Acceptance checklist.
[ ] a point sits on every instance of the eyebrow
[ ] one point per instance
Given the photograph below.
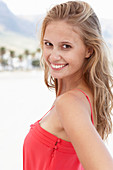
(62, 42)
(67, 42)
(45, 40)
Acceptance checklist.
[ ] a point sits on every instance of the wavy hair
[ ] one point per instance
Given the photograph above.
(96, 70)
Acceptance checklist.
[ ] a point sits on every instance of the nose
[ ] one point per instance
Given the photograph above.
(54, 55)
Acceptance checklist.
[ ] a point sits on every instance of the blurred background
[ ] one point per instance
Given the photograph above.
(24, 98)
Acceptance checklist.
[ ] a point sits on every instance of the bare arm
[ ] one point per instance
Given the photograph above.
(75, 118)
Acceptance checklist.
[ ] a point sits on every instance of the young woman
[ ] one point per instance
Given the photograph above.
(70, 136)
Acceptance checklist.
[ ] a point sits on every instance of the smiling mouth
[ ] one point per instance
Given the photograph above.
(59, 66)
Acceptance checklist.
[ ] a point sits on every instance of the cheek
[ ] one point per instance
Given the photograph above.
(77, 60)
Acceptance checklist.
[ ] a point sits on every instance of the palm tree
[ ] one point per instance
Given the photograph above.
(35, 61)
(38, 50)
(2, 52)
(20, 57)
(12, 53)
(12, 56)
(26, 53)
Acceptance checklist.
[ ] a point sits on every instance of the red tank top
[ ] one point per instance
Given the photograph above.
(44, 151)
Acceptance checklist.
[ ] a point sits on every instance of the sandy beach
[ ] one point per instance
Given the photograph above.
(24, 98)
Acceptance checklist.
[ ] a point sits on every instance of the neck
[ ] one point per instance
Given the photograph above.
(67, 85)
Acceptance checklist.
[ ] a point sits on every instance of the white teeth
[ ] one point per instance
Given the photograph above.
(57, 66)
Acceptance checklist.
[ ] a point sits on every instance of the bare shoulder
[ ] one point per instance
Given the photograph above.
(74, 113)
(73, 103)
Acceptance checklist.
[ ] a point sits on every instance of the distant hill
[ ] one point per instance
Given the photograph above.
(21, 32)
(11, 22)
(18, 33)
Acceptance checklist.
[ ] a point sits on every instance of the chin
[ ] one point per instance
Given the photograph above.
(57, 76)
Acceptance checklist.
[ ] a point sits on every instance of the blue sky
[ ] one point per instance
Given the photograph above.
(103, 8)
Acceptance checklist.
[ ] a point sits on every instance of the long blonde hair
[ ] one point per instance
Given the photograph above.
(96, 70)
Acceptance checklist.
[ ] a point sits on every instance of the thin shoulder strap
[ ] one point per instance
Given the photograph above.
(47, 113)
(89, 104)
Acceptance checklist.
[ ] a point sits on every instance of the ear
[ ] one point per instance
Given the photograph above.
(89, 52)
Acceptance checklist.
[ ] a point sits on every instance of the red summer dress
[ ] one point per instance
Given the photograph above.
(44, 151)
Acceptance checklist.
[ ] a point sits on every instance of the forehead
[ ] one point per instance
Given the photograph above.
(62, 30)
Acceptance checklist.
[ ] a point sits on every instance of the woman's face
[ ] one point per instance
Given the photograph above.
(63, 50)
